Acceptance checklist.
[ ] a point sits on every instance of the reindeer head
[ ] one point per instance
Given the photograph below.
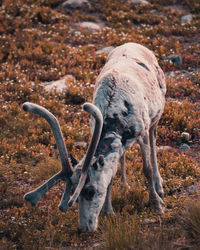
(90, 177)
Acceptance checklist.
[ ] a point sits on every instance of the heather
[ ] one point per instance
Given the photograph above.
(41, 42)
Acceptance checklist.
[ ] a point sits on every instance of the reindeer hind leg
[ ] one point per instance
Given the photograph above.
(157, 178)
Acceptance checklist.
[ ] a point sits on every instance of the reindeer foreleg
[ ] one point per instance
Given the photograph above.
(108, 209)
(155, 200)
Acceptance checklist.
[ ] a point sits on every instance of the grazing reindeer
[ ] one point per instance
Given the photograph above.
(128, 101)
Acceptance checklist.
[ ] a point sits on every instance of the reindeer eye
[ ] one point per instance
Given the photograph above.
(95, 166)
(88, 193)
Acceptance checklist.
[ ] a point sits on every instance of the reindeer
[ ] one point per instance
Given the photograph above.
(128, 101)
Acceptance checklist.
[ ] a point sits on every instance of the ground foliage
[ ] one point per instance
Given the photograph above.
(39, 42)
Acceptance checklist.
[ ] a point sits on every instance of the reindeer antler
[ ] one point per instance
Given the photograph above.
(66, 172)
(96, 113)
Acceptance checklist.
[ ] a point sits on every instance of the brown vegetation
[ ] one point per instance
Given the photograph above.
(40, 43)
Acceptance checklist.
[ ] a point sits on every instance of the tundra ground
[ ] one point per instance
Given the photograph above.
(40, 42)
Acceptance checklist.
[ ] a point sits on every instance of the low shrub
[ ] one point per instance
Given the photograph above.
(182, 116)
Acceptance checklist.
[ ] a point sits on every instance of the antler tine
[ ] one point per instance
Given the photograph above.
(65, 198)
(66, 171)
(51, 119)
(95, 112)
(34, 196)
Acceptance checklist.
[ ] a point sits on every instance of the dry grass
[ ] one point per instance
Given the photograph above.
(120, 231)
(191, 220)
(39, 43)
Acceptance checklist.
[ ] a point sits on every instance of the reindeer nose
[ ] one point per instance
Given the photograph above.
(83, 229)
(90, 227)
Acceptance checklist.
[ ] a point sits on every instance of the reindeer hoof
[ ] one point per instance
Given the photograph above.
(157, 204)
(159, 209)
(161, 206)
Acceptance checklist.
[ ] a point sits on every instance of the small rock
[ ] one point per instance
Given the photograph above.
(185, 137)
(176, 9)
(172, 73)
(75, 4)
(74, 32)
(184, 146)
(164, 148)
(105, 50)
(148, 221)
(191, 189)
(187, 18)
(175, 59)
(81, 144)
(138, 2)
(59, 85)
(93, 27)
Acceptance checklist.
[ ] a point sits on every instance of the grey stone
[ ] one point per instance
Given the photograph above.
(187, 18)
(149, 221)
(172, 73)
(105, 50)
(75, 4)
(93, 27)
(59, 85)
(175, 59)
(184, 146)
(164, 148)
(74, 32)
(138, 2)
(185, 136)
(81, 144)
(191, 189)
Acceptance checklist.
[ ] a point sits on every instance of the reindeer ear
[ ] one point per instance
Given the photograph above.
(73, 160)
(101, 160)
